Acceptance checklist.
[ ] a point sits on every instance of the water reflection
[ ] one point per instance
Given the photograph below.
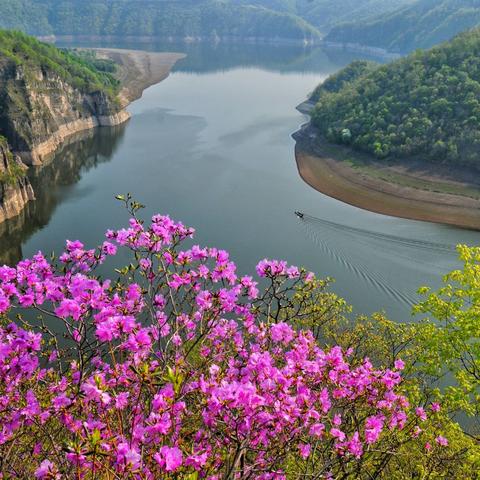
(53, 184)
(213, 148)
(211, 58)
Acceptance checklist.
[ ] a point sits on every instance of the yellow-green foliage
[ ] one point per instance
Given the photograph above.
(14, 171)
(445, 343)
(451, 339)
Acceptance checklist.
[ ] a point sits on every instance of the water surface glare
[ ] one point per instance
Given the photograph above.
(212, 146)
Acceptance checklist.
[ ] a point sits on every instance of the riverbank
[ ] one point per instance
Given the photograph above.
(138, 70)
(208, 40)
(380, 53)
(413, 190)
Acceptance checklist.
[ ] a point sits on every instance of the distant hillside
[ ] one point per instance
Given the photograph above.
(426, 105)
(325, 14)
(421, 25)
(160, 18)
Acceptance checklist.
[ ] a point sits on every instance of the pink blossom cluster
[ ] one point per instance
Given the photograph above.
(180, 367)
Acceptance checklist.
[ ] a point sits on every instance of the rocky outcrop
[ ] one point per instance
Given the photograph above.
(40, 110)
(75, 157)
(15, 188)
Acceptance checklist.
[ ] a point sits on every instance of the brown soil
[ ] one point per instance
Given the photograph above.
(368, 187)
(139, 69)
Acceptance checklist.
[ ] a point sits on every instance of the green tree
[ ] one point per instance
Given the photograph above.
(451, 339)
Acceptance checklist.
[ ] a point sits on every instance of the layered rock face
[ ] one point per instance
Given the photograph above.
(15, 188)
(40, 110)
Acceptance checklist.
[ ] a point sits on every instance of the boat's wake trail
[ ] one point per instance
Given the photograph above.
(441, 247)
(325, 234)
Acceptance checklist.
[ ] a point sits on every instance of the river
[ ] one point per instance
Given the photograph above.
(212, 146)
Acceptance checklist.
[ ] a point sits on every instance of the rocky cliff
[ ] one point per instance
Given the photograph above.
(48, 95)
(15, 188)
(40, 109)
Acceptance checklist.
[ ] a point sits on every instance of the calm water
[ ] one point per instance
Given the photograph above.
(212, 146)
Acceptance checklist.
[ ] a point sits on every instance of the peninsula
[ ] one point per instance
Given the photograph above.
(400, 139)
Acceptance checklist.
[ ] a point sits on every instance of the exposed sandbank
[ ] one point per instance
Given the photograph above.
(415, 192)
(138, 69)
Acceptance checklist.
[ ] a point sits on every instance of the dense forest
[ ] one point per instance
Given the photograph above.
(185, 18)
(81, 70)
(423, 24)
(286, 19)
(425, 105)
(338, 80)
(323, 14)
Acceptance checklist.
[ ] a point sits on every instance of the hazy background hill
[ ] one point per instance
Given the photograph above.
(165, 18)
(420, 25)
(287, 19)
(324, 14)
(394, 25)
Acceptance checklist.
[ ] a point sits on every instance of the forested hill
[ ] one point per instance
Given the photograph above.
(162, 18)
(421, 25)
(82, 71)
(269, 19)
(344, 77)
(426, 105)
(323, 14)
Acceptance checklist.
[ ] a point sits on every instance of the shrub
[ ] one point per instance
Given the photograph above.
(180, 368)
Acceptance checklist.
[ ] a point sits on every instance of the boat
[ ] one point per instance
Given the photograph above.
(299, 214)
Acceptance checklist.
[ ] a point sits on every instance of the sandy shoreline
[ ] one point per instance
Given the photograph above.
(139, 69)
(339, 179)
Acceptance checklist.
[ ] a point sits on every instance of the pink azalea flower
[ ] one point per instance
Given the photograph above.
(46, 470)
(373, 428)
(399, 364)
(420, 412)
(442, 441)
(305, 450)
(169, 458)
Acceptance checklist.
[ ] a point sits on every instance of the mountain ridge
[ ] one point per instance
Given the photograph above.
(423, 24)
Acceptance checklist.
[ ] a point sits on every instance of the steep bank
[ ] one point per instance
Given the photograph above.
(415, 191)
(48, 95)
(15, 188)
(69, 112)
(79, 154)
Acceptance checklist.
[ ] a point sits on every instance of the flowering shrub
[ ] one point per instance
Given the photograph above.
(182, 369)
